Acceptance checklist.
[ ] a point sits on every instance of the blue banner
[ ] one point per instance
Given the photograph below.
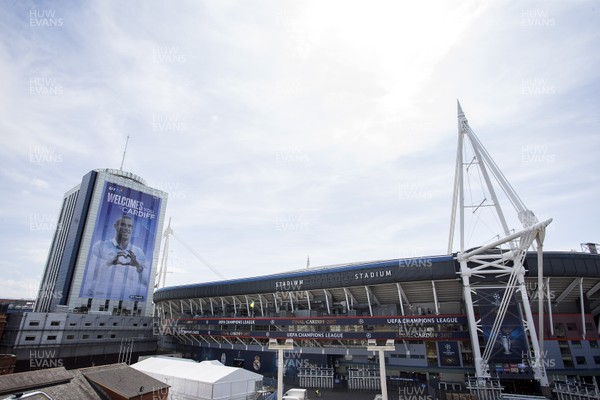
(511, 343)
(120, 259)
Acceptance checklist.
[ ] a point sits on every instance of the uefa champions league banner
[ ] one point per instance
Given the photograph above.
(511, 343)
(120, 259)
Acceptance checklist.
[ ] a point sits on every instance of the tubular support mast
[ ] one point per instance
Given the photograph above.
(486, 261)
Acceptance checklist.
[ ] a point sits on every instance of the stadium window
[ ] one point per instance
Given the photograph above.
(51, 337)
(70, 337)
(55, 323)
(29, 338)
(576, 344)
(580, 360)
(72, 323)
(85, 337)
(34, 323)
(88, 324)
(594, 344)
(115, 324)
(99, 337)
(113, 336)
(597, 360)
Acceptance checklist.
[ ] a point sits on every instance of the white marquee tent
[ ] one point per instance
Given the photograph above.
(204, 380)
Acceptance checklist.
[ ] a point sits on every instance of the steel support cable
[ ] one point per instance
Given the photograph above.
(205, 262)
(499, 176)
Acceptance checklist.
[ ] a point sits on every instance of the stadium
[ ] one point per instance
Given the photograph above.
(501, 317)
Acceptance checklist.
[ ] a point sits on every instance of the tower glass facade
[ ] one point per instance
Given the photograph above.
(104, 253)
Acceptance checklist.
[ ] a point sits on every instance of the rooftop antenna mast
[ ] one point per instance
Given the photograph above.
(124, 152)
(488, 261)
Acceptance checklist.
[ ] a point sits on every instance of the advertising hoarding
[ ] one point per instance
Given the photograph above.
(120, 260)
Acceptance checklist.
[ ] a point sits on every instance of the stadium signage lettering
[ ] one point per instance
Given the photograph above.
(373, 274)
(415, 320)
(237, 322)
(289, 285)
(424, 321)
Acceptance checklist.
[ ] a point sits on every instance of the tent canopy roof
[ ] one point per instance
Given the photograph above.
(206, 371)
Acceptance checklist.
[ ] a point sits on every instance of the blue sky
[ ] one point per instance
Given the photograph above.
(283, 129)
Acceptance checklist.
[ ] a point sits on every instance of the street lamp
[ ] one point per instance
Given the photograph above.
(280, 347)
(388, 346)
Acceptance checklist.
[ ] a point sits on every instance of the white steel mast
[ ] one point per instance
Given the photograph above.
(488, 261)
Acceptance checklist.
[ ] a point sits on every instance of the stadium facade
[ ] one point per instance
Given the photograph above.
(331, 313)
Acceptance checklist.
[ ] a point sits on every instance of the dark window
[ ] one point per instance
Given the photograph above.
(88, 323)
(34, 323)
(72, 323)
(580, 360)
(135, 324)
(576, 344)
(115, 324)
(101, 323)
(113, 336)
(597, 359)
(55, 323)
(69, 337)
(99, 337)
(51, 337)
(594, 344)
(29, 338)
(85, 337)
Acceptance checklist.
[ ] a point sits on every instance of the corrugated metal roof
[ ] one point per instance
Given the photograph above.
(123, 379)
(24, 381)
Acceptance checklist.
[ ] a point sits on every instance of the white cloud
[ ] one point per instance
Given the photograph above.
(336, 116)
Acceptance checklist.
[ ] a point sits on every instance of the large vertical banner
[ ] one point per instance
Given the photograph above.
(120, 260)
(511, 343)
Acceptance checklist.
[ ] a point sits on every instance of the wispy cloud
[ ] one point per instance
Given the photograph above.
(282, 129)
